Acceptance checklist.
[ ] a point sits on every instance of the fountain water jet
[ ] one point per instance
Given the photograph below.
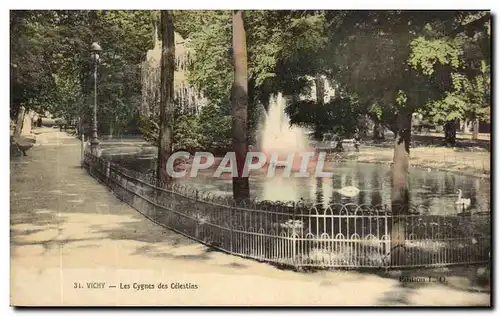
(278, 137)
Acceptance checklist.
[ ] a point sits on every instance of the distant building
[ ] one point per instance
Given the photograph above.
(320, 86)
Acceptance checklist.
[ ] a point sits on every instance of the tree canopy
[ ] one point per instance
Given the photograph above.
(436, 63)
(51, 65)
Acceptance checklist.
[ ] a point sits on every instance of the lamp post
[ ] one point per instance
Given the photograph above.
(95, 49)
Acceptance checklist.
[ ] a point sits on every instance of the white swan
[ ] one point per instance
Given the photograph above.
(464, 203)
(349, 191)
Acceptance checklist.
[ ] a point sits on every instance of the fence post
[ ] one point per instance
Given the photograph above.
(231, 209)
(386, 232)
(197, 222)
(108, 170)
(294, 238)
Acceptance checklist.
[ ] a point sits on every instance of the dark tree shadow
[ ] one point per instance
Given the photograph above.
(398, 295)
(137, 231)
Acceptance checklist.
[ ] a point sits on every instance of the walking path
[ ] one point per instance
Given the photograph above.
(68, 231)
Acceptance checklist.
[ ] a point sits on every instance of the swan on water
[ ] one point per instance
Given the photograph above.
(465, 203)
(349, 191)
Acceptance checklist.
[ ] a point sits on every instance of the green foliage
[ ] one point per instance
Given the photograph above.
(377, 111)
(282, 48)
(187, 131)
(67, 97)
(458, 66)
(393, 60)
(436, 63)
(52, 70)
(210, 130)
(125, 37)
(276, 41)
(211, 42)
(149, 128)
(215, 128)
(416, 61)
(31, 77)
(426, 53)
(339, 116)
(401, 98)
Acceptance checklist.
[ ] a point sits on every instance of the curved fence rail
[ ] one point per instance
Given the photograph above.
(302, 234)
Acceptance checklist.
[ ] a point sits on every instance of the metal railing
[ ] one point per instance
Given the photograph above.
(301, 234)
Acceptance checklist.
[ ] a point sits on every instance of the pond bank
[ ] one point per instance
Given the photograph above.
(468, 161)
(475, 163)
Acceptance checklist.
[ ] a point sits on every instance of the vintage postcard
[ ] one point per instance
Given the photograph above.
(250, 158)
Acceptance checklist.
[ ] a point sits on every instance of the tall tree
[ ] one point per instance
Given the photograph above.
(457, 60)
(31, 76)
(165, 145)
(339, 116)
(370, 59)
(239, 99)
(282, 49)
(400, 197)
(51, 69)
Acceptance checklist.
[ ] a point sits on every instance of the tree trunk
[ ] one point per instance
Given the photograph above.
(363, 125)
(464, 127)
(319, 131)
(239, 98)
(320, 89)
(450, 132)
(475, 132)
(252, 114)
(166, 95)
(20, 121)
(400, 198)
(393, 127)
(320, 198)
(378, 131)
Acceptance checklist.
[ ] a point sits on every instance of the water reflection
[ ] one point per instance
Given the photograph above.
(320, 199)
(435, 191)
(376, 197)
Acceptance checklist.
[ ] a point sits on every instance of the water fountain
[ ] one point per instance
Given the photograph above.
(278, 137)
(436, 190)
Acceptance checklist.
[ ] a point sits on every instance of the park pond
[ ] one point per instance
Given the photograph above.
(319, 236)
(431, 191)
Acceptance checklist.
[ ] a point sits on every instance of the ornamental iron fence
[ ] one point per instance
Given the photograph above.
(303, 234)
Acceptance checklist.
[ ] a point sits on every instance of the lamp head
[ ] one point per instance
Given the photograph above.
(95, 48)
